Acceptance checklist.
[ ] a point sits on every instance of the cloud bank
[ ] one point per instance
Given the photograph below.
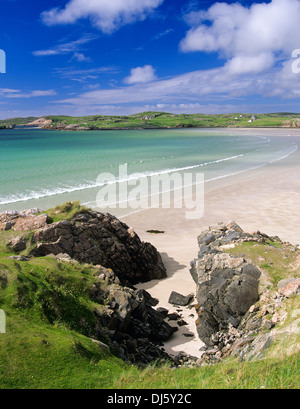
(251, 39)
(106, 15)
(256, 44)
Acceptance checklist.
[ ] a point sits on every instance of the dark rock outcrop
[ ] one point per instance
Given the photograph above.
(133, 328)
(179, 299)
(18, 244)
(226, 285)
(100, 238)
(124, 317)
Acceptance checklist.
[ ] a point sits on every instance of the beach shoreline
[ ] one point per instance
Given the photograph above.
(265, 199)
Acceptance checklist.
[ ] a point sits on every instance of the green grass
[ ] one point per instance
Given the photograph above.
(152, 120)
(17, 121)
(39, 356)
(49, 307)
(166, 120)
(273, 258)
(232, 374)
(49, 323)
(42, 357)
(66, 211)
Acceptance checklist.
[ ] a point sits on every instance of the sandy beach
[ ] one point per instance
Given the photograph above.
(265, 199)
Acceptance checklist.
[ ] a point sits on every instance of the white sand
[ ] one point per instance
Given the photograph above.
(265, 199)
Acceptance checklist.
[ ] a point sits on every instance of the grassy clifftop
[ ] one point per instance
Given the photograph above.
(152, 120)
(50, 329)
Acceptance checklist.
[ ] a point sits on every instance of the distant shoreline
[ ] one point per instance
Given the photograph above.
(156, 120)
(265, 199)
(147, 128)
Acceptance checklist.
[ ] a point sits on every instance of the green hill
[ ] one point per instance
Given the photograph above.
(154, 120)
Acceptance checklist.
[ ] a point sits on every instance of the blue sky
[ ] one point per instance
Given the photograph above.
(80, 57)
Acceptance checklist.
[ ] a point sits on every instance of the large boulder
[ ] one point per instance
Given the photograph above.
(100, 238)
(179, 299)
(226, 285)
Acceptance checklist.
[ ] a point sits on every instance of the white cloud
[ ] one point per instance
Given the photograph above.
(256, 43)
(141, 75)
(84, 76)
(67, 72)
(107, 15)
(250, 64)
(41, 93)
(66, 48)
(251, 39)
(4, 91)
(163, 34)
(202, 86)
(80, 57)
(190, 87)
(12, 93)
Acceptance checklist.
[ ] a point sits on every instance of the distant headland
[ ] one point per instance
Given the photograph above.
(156, 120)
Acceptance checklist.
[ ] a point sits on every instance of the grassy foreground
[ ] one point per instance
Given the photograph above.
(50, 325)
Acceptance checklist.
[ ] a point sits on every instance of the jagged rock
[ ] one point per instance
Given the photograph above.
(107, 274)
(227, 286)
(173, 316)
(135, 329)
(18, 244)
(181, 323)
(19, 258)
(92, 237)
(178, 299)
(125, 319)
(5, 225)
(23, 221)
(289, 287)
(255, 348)
(163, 311)
(101, 345)
(63, 257)
(224, 297)
(100, 238)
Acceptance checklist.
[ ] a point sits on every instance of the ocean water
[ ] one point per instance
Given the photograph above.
(43, 168)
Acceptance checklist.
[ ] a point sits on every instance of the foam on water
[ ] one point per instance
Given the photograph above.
(39, 167)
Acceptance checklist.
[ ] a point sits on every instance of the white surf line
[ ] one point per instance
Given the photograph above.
(220, 177)
(134, 176)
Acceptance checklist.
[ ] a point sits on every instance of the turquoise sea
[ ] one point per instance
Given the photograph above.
(42, 168)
